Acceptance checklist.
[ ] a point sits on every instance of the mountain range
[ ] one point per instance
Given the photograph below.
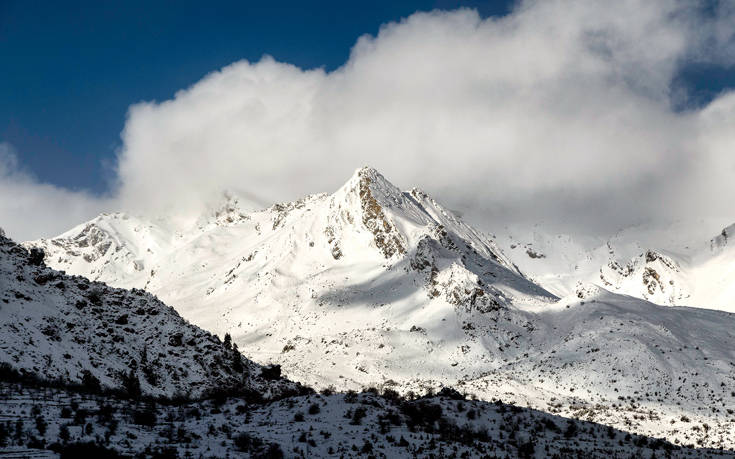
(374, 286)
(87, 370)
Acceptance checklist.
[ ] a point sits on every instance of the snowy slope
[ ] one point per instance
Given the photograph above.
(66, 328)
(371, 285)
(657, 265)
(315, 425)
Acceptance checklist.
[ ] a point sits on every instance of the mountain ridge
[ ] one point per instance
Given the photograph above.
(57, 327)
(374, 286)
(668, 272)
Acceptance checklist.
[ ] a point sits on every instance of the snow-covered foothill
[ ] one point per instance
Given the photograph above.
(67, 329)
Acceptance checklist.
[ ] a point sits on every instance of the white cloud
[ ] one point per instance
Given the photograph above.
(29, 209)
(559, 112)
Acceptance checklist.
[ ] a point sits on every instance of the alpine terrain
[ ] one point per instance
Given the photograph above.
(373, 286)
(93, 371)
(661, 267)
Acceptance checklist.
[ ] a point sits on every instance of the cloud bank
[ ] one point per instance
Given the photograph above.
(29, 209)
(561, 112)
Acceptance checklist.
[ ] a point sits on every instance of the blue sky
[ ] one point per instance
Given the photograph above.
(72, 69)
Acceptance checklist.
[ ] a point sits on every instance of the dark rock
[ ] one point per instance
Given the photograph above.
(176, 339)
(36, 256)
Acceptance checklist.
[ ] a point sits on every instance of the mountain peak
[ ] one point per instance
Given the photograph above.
(366, 171)
(369, 179)
(370, 194)
(228, 209)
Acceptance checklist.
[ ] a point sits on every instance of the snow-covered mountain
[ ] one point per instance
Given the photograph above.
(65, 339)
(56, 327)
(642, 262)
(374, 286)
(368, 259)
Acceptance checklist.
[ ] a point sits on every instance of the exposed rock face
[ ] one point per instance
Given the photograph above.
(659, 274)
(387, 238)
